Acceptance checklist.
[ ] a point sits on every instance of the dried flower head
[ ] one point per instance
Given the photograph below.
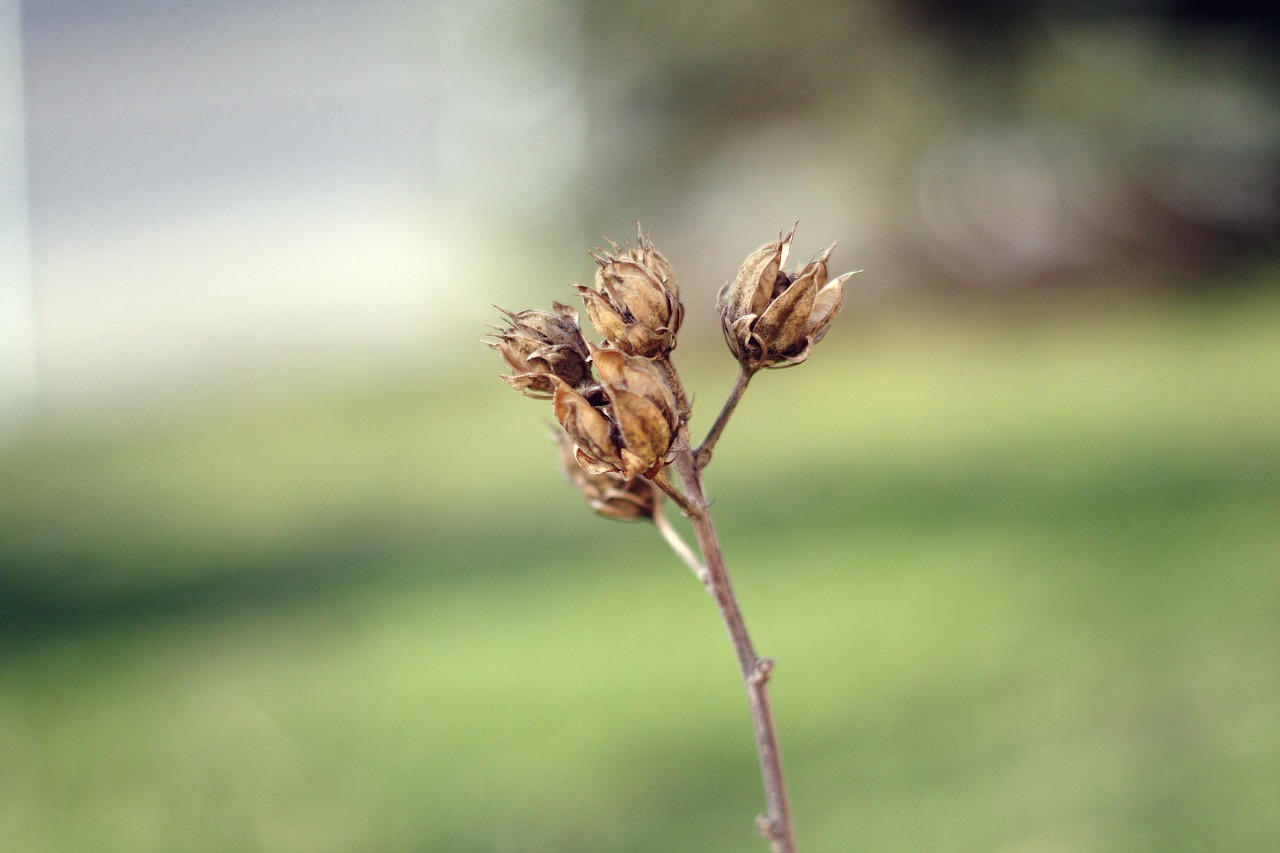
(635, 304)
(634, 429)
(540, 345)
(609, 494)
(772, 318)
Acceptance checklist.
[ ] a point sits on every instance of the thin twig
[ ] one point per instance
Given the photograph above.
(776, 824)
(702, 455)
(682, 549)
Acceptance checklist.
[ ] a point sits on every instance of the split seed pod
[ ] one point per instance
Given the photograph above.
(772, 318)
(540, 345)
(643, 408)
(635, 304)
(635, 428)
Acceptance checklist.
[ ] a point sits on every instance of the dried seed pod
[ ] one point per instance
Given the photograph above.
(540, 345)
(635, 304)
(631, 422)
(609, 494)
(643, 408)
(772, 318)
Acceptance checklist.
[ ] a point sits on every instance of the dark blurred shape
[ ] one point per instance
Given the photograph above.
(1096, 136)
(993, 17)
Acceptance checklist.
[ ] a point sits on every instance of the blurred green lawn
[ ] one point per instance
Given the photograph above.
(1019, 572)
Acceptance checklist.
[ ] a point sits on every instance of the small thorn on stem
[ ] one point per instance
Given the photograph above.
(766, 827)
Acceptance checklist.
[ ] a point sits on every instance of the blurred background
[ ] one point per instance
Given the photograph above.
(283, 566)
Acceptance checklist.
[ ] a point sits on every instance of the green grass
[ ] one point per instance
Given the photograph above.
(1019, 573)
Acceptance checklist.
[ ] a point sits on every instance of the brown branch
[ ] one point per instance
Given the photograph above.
(663, 481)
(775, 825)
(702, 455)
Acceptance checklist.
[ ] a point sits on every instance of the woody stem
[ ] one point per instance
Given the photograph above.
(663, 481)
(776, 824)
(702, 455)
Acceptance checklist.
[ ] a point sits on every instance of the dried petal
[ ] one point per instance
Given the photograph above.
(586, 426)
(653, 260)
(826, 305)
(631, 285)
(783, 324)
(532, 384)
(645, 430)
(560, 326)
(751, 291)
(603, 315)
(592, 465)
(639, 340)
(618, 369)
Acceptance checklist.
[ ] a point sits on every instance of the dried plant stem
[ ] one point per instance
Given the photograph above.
(702, 455)
(625, 415)
(776, 824)
(663, 481)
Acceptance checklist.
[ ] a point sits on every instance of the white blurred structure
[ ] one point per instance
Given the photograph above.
(232, 194)
(17, 317)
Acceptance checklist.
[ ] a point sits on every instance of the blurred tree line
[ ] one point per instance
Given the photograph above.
(989, 146)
